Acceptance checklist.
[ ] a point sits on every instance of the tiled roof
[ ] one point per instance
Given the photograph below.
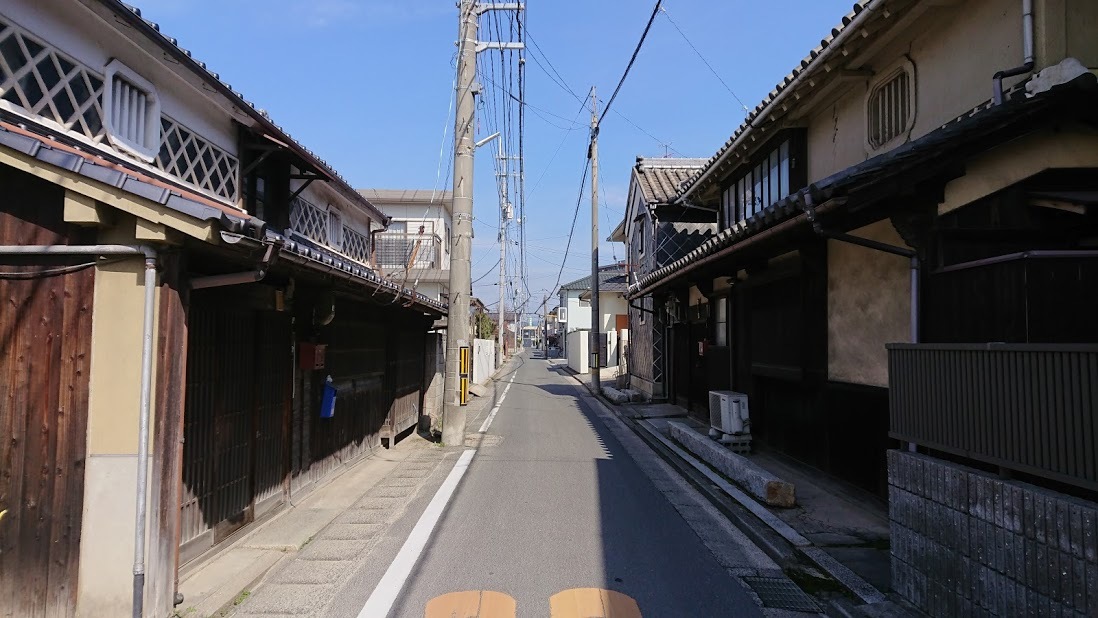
(151, 29)
(975, 130)
(815, 59)
(611, 279)
(661, 179)
(123, 178)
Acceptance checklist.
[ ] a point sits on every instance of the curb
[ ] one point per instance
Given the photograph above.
(689, 467)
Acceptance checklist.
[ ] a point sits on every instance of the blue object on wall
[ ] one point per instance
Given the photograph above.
(328, 400)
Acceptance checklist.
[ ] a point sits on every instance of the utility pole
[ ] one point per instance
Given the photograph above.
(457, 317)
(596, 316)
(545, 326)
(504, 217)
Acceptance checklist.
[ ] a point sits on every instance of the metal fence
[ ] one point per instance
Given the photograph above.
(1031, 408)
(398, 250)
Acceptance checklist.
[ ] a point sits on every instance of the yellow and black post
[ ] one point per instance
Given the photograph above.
(463, 374)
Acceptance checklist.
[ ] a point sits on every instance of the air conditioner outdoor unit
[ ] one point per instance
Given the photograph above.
(729, 420)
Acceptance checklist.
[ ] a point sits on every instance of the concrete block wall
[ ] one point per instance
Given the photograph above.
(967, 543)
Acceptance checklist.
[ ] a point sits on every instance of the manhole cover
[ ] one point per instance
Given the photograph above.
(781, 593)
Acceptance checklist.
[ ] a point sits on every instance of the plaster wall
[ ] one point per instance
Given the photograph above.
(868, 305)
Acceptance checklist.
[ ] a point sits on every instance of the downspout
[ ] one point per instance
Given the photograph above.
(1027, 52)
(146, 386)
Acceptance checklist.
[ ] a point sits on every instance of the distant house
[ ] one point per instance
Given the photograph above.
(574, 312)
(414, 249)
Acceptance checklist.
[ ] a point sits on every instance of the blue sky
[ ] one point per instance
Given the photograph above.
(366, 84)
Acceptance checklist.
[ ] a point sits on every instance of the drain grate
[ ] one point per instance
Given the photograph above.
(781, 593)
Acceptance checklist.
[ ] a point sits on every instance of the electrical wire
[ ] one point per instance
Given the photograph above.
(490, 271)
(632, 59)
(706, 62)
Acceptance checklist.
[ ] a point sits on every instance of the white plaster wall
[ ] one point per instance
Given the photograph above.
(484, 359)
(578, 350)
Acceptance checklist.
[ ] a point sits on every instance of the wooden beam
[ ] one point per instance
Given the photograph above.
(83, 210)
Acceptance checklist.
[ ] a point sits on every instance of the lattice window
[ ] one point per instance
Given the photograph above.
(194, 160)
(356, 245)
(47, 83)
(309, 220)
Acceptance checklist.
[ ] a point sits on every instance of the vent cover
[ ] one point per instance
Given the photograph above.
(889, 110)
(132, 112)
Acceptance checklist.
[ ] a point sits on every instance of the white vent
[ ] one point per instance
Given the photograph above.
(132, 112)
(335, 229)
(729, 418)
(890, 108)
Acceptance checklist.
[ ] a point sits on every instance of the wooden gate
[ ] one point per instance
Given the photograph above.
(405, 373)
(45, 348)
(237, 405)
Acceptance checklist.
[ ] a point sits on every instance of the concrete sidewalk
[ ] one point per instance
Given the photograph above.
(314, 537)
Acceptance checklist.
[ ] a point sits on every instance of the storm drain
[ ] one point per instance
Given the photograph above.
(781, 593)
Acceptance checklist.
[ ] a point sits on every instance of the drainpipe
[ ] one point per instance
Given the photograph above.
(146, 385)
(1027, 52)
(251, 276)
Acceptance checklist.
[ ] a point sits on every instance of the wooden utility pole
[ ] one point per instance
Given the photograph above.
(596, 327)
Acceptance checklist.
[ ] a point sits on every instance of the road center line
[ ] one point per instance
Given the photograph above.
(388, 589)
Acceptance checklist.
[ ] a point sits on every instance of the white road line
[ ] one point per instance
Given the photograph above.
(385, 594)
(492, 415)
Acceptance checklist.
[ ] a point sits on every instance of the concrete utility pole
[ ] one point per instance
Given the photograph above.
(596, 316)
(504, 217)
(545, 329)
(461, 284)
(457, 317)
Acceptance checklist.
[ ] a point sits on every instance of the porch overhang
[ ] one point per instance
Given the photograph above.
(928, 162)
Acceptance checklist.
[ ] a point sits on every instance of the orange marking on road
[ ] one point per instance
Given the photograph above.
(471, 604)
(592, 603)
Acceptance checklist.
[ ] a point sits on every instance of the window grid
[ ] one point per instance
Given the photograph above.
(356, 245)
(309, 220)
(766, 183)
(49, 84)
(195, 161)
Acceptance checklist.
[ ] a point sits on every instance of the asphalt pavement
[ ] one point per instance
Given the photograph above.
(551, 513)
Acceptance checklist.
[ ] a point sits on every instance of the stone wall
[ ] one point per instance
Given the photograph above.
(967, 543)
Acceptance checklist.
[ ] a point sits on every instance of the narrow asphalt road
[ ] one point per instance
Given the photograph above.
(552, 502)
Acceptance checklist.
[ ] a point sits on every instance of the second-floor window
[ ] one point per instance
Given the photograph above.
(335, 229)
(772, 175)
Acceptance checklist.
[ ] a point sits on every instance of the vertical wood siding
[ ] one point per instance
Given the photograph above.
(45, 347)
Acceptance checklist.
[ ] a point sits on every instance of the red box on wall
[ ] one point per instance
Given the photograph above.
(310, 356)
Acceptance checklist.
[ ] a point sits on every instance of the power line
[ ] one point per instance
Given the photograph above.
(711, 69)
(490, 271)
(632, 59)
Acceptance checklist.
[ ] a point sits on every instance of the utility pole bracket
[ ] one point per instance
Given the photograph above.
(507, 6)
(483, 45)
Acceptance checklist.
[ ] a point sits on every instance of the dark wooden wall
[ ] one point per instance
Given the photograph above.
(45, 352)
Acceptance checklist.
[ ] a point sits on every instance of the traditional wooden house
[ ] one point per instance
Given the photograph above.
(656, 233)
(906, 261)
(182, 282)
